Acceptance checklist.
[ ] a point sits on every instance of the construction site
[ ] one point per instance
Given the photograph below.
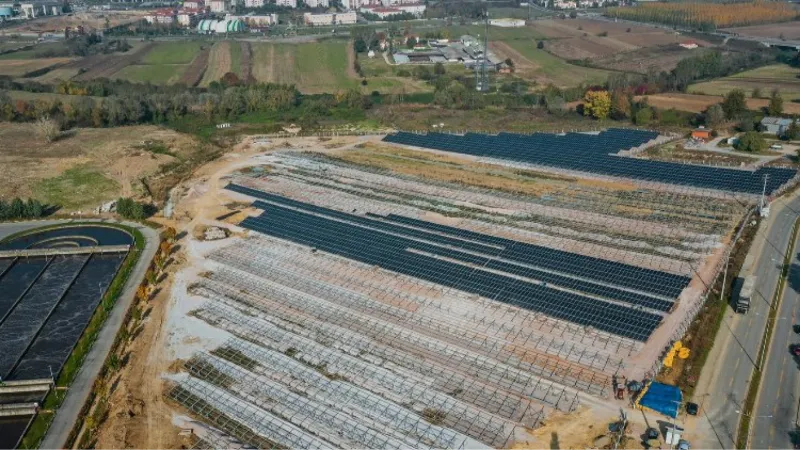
(368, 294)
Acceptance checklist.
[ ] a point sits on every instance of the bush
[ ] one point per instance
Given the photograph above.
(752, 142)
(131, 209)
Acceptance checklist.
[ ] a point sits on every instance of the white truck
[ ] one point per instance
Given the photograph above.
(746, 292)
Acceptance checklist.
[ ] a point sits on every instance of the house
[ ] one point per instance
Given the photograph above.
(194, 4)
(689, 45)
(317, 3)
(254, 3)
(220, 6)
(702, 134)
(329, 18)
(287, 3)
(187, 16)
(161, 16)
(775, 125)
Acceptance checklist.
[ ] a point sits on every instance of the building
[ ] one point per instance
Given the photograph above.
(187, 17)
(164, 16)
(41, 8)
(352, 5)
(255, 20)
(775, 125)
(330, 19)
(254, 3)
(287, 3)
(689, 45)
(220, 26)
(194, 4)
(507, 23)
(701, 134)
(220, 6)
(381, 11)
(317, 3)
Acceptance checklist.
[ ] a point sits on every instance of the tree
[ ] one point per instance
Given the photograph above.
(734, 104)
(438, 69)
(573, 15)
(752, 142)
(411, 42)
(540, 45)
(597, 104)
(756, 93)
(555, 105)
(643, 116)
(230, 79)
(620, 105)
(747, 123)
(775, 107)
(792, 132)
(360, 46)
(48, 128)
(715, 116)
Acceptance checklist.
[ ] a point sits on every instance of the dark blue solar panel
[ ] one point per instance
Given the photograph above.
(467, 261)
(594, 154)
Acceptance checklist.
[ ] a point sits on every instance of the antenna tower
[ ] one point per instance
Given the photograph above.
(481, 72)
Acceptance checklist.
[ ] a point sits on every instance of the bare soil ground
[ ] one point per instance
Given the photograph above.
(194, 73)
(789, 30)
(664, 57)
(699, 103)
(85, 19)
(522, 65)
(105, 66)
(26, 159)
(20, 67)
(247, 60)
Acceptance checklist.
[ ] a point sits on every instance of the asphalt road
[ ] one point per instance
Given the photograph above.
(736, 349)
(776, 412)
(78, 392)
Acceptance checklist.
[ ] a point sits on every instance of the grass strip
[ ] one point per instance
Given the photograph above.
(755, 383)
(41, 423)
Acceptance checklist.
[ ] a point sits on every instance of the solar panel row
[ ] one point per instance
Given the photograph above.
(594, 154)
(473, 263)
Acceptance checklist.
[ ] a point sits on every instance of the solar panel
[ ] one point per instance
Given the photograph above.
(595, 154)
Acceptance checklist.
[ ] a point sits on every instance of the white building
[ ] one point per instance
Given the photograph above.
(41, 8)
(386, 11)
(317, 3)
(352, 5)
(194, 4)
(220, 6)
(186, 15)
(161, 16)
(330, 19)
(254, 3)
(255, 20)
(288, 3)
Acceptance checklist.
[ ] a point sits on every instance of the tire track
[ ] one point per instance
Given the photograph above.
(247, 62)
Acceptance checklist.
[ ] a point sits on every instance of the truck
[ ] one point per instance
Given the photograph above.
(746, 292)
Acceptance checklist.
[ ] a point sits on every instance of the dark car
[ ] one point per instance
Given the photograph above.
(692, 408)
(796, 349)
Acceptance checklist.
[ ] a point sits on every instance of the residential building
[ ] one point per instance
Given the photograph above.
(330, 18)
(161, 16)
(255, 20)
(317, 3)
(775, 125)
(287, 3)
(41, 8)
(194, 4)
(188, 17)
(220, 6)
(353, 5)
(254, 3)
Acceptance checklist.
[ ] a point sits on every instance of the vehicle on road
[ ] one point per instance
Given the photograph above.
(748, 284)
(795, 349)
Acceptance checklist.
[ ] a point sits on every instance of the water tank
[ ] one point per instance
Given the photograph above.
(6, 11)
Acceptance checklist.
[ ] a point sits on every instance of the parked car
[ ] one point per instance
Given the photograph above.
(692, 408)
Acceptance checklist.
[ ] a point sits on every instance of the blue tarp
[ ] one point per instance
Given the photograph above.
(662, 398)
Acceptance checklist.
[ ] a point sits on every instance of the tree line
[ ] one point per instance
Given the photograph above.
(20, 209)
(706, 16)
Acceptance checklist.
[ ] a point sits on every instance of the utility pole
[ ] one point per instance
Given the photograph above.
(763, 207)
(481, 75)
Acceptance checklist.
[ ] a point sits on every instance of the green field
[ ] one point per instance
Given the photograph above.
(314, 68)
(34, 52)
(547, 68)
(75, 187)
(777, 76)
(179, 52)
(155, 74)
(236, 58)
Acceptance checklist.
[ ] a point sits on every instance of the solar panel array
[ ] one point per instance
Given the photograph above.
(613, 297)
(594, 154)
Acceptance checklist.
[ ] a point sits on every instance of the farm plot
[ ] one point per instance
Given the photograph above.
(778, 76)
(20, 67)
(663, 58)
(197, 69)
(164, 63)
(788, 30)
(545, 68)
(106, 66)
(314, 68)
(699, 103)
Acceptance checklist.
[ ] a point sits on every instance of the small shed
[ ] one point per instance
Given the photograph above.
(661, 398)
(701, 134)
